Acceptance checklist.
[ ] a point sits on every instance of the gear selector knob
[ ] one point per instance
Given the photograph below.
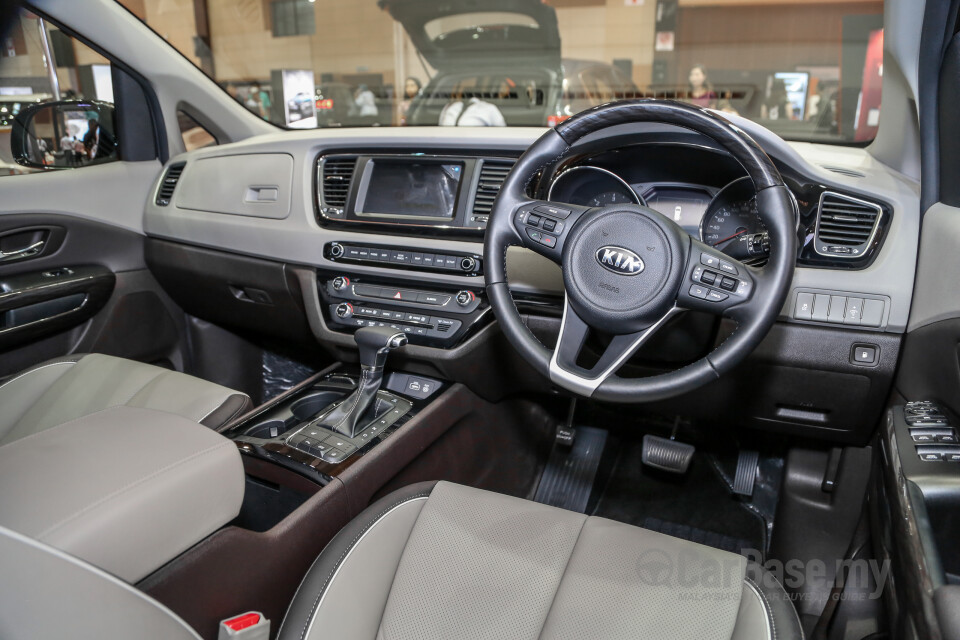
(375, 343)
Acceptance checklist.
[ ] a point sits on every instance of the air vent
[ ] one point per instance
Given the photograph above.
(169, 183)
(492, 175)
(336, 176)
(844, 171)
(845, 226)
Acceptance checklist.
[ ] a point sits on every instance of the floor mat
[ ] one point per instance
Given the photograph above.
(701, 536)
(700, 500)
(567, 480)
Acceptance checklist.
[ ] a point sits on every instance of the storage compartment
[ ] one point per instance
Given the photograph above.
(310, 405)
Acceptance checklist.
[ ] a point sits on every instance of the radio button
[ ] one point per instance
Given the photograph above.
(428, 259)
(417, 259)
(400, 256)
(451, 262)
(352, 252)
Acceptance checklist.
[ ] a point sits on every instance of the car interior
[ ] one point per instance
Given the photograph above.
(640, 368)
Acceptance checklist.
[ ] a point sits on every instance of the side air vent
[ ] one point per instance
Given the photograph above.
(169, 183)
(335, 177)
(492, 175)
(845, 226)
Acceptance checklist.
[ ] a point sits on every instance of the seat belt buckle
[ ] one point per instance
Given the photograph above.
(246, 626)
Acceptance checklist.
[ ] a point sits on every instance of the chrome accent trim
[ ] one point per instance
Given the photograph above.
(636, 196)
(587, 386)
(866, 245)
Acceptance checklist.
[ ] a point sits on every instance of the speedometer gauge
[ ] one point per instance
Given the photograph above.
(723, 226)
(731, 222)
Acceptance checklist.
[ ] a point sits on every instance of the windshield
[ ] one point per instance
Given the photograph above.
(808, 71)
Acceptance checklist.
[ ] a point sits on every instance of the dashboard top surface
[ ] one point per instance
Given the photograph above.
(298, 238)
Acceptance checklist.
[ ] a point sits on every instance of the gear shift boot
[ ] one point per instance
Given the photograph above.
(359, 408)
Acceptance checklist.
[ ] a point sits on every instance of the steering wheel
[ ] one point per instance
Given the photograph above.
(628, 269)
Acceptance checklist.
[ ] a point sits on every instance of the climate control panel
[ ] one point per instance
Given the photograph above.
(433, 317)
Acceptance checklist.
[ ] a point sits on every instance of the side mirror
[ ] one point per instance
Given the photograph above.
(65, 134)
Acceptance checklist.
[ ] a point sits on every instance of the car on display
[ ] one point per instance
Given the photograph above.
(671, 355)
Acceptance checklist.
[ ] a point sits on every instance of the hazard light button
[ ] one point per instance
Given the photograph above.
(398, 294)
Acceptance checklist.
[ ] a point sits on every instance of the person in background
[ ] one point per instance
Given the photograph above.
(699, 90)
(233, 92)
(777, 106)
(366, 102)
(411, 89)
(258, 101)
(462, 111)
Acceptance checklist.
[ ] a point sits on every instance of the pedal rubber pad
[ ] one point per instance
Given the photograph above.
(746, 472)
(667, 455)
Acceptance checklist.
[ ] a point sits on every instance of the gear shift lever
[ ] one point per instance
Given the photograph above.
(375, 344)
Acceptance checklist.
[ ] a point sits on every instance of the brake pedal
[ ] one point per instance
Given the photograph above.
(667, 455)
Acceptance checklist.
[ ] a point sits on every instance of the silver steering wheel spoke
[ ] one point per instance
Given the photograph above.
(564, 370)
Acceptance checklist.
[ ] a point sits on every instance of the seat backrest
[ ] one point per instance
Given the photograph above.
(46, 593)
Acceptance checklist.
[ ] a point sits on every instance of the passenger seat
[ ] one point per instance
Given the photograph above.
(61, 390)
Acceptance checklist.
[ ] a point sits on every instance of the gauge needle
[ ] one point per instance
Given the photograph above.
(738, 233)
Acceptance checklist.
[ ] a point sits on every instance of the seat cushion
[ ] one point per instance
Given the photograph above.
(126, 489)
(68, 388)
(444, 561)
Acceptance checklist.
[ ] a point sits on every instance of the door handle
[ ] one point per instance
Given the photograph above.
(25, 252)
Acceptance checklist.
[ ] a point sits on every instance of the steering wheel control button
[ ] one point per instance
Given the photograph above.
(549, 224)
(708, 277)
(716, 296)
(730, 284)
(533, 220)
(556, 212)
(709, 260)
(728, 268)
(804, 308)
(696, 291)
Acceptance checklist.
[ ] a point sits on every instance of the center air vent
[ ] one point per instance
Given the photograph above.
(845, 226)
(336, 176)
(492, 175)
(169, 183)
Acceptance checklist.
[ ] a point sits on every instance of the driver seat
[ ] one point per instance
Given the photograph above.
(439, 560)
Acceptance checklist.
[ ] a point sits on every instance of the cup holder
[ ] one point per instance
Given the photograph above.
(309, 406)
(268, 429)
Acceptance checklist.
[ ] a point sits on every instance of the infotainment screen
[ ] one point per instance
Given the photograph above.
(406, 189)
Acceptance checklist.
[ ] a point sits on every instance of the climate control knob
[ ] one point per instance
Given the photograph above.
(341, 282)
(465, 297)
(344, 310)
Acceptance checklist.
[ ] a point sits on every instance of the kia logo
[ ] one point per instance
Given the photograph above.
(619, 260)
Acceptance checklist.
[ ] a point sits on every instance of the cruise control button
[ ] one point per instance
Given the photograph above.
(728, 268)
(716, 296)
(697, 291)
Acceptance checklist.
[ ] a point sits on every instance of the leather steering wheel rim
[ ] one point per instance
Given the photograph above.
(668, 267)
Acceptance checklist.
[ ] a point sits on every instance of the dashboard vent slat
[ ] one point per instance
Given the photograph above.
(337, 177)
(845, 226)
(492, 175)
(169, 183)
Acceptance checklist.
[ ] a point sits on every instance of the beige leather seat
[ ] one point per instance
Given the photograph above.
(65, 389)
(112, 461)
(441, 561)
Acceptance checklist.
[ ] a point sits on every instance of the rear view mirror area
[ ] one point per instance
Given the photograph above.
(64, 134)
